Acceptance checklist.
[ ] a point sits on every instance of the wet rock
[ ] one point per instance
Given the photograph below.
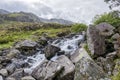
(47, 70)
(4, 61)
(112, 55)
(18, 74)
(68, 72)
(1, 78)
(61, 53)
(87, 69)
(51, 51)
(3, 72)
(11, 68)
(14, 53)
(43, 41)
(62, 34)
(27, 78)
(27, 47)
(96, 42)
(105, 29)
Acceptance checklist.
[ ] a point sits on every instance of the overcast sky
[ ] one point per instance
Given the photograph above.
(74, 10)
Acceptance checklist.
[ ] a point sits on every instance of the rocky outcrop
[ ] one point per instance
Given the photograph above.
(96, 42)
(51, 51)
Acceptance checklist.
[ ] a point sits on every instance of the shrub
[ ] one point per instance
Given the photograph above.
(112, 18)
(79, 27)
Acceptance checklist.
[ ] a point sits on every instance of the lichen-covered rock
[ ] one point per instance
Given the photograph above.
(107, 64)
(105, 29)
(87, 69)
(96, 42)
(47, 70)
(69, 68)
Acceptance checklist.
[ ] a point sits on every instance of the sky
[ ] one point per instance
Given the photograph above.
(74, 10)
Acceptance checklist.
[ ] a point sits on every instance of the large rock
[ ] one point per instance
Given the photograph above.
(69, 68)
(78, 54)
(105, 29)
(51, 51)
(96, 42)
(27, 47)
(87, 69)
(47, 70)
(11, 68)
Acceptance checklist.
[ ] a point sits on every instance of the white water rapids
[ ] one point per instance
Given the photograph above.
(69, 45)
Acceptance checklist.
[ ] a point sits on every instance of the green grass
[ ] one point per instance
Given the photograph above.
(7, 39)
(15, 14)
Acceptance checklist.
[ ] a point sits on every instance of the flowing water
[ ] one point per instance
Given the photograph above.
(69, 45)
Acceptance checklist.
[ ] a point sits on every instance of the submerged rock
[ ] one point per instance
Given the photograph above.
(96, 42)
(51, 51)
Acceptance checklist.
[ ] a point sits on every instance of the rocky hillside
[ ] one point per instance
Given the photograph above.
(29, 17)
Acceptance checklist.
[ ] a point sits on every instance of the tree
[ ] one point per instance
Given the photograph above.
(113, 3)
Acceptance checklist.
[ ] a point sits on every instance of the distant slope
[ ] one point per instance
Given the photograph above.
(4, 11)
(29, 17)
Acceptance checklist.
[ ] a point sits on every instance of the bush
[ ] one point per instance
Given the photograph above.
(79, 27)
(112, 18)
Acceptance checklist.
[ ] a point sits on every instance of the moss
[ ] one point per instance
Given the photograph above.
(87, 49)
(117, 77)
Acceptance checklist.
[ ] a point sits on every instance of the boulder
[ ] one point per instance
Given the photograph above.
(11, 68)
(4, 60)
(1, 78)
(69, 68)
(87, 69)
(78, 54)
(14, 53)
(4, 72)
(47, 70)
(105, 29)
(96, 42)
(27, 78)
(51, 51)
(27, 47)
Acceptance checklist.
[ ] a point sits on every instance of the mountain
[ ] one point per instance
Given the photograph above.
(28, 17)
(2, 11)
(60, 21)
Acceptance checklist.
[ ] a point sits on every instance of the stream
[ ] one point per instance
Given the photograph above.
(68, 45)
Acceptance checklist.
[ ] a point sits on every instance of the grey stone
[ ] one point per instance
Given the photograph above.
(96, 42)
(47, 70)
(27, 78)
(4, 72)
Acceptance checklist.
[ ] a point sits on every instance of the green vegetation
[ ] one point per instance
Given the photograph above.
(79, 28)
(11, 32)
(117, 77)
(87, 49)
(111, 18)
(15, 14)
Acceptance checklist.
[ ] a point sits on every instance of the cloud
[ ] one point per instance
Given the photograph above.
(74, 10)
